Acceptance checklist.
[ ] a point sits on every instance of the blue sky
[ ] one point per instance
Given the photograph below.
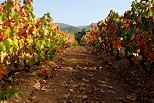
(79, 12)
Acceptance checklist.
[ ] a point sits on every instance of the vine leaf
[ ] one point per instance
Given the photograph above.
(2, 72)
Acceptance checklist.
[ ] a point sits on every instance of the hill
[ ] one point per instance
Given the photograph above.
(82, 26)
(86, 26)
(63, 26)
(72, 29)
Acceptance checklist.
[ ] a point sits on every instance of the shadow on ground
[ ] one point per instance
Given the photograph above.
(78, 77)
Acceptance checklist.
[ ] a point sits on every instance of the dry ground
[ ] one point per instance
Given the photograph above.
(75, 76)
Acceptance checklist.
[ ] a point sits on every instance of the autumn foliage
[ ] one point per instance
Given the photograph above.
(131, 33)
(26, 40)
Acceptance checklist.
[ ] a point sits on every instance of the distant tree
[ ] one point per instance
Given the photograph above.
(79, 35)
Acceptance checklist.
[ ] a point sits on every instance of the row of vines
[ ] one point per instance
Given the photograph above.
(26, 40)
(129, 35)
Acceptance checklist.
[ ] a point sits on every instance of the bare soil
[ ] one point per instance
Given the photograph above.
(78, 75)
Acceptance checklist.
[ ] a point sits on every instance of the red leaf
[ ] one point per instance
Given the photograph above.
(44, 73)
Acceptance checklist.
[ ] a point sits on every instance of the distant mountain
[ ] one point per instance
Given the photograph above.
(86, 26)
(72, 29)
(63, 26)
(83, 26)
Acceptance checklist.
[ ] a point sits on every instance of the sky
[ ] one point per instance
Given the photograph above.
(79, 12)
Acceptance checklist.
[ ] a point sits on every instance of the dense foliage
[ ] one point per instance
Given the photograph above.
(72, 29)
(25, 40)
(131, 34)
(8, 92)
(79, 35)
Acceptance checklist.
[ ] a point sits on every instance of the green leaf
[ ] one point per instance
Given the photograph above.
(150, 13)
(2, 46)
(1, 95)
(3, 17)
(42, 46)
(36, 58)
(15, 91)
(7, 31)
(31, 61)
(10, 3)
(7, 44)
(4, 94)
(51, 56)
(42, 54)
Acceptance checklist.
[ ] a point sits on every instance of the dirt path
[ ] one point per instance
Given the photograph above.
(74, 76)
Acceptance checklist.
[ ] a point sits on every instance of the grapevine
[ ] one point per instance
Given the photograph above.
(132, 33)
(26, 40)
